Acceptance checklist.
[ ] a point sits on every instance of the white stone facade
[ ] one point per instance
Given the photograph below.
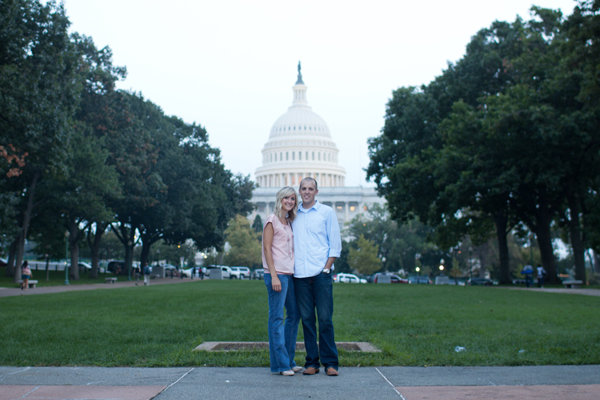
(300, 145)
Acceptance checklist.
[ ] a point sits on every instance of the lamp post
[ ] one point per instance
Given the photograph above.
(417, 264)
(441, 267)
(67, 258)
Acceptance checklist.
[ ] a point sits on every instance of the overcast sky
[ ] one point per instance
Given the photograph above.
(229, 65)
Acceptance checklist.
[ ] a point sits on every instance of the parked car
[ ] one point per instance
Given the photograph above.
(225, 271)
(383, 277)
(240, 272)
(83, 266)
(397, 279)
(188, 272)
(480, 282)
(258, 273)
(443, 280)
(170, 271)
(348, 278)
(116, 267)
(419, 280)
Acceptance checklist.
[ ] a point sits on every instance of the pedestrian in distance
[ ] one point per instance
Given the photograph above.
(25, 275)
(147, 270)
(278, 264)
(136, 274)
(317, 244)
(527, 271)
(541, 274)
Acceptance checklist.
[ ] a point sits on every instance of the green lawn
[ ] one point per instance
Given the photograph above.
(413, 325)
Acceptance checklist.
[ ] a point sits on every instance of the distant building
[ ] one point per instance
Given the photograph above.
(300, 145)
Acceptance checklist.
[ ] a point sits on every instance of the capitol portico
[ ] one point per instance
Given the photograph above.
(300, 145)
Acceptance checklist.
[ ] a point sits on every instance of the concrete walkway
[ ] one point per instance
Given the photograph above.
(123, 282)
(409, 383)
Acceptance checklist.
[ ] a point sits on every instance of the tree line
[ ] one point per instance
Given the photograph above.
(79, 157)
(505, 140)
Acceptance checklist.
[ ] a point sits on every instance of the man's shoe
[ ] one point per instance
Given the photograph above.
(289, 372)
(310, 371)
(297, 368)
(332, 372)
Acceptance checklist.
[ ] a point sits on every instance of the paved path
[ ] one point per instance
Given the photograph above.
(408, 383)
(586, 292)
(4, 292)
(124, 283)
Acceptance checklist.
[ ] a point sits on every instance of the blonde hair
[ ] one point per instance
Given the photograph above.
(281, 194)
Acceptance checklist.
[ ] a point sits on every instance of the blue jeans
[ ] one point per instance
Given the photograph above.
(317, 293)
(282, 336)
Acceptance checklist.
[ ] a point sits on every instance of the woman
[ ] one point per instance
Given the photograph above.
(278, 263)
(25, 275)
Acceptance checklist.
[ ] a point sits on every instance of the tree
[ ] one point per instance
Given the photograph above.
(257, 225)
(486, 140)
(40, 82)
(94, 120)
(363, 258)
(79, 198)
(398, 243)
(245, 247)
(574, 90)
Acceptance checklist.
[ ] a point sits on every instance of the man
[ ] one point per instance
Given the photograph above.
(317, 244)
(541, 273)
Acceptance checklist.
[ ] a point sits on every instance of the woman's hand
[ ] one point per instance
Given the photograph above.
(276, 283)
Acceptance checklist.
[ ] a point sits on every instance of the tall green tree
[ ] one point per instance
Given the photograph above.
(490, 142)
(398, 243)
(40, 82)
(363, 258)
(245, 246)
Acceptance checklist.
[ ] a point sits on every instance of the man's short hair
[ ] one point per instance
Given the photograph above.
(310, 179)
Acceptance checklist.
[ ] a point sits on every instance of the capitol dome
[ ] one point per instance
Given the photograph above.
(300, 145)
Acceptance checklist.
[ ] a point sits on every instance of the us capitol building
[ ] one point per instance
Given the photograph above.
(300, 145)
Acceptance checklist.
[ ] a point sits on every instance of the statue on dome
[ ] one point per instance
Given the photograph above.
(299, 81)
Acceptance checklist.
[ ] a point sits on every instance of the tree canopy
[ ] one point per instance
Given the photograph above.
(507, 135)
(79, 156)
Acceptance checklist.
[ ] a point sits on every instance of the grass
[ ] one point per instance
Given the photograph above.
(413, 325)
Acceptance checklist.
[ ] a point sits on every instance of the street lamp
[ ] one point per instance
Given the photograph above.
(67, 258)
(441, 267)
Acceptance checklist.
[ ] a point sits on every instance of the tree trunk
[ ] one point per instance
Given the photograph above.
(75, 235)
(127, 236)
(47, 268)
(147, 241)
(544, 238)
(575, 232)
(94, 241)
(10, 267)
(501, 221)
(146, 244)
(128, 259)
(23, 231)
(74, 250)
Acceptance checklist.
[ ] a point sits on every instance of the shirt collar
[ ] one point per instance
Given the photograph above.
(316, 206)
